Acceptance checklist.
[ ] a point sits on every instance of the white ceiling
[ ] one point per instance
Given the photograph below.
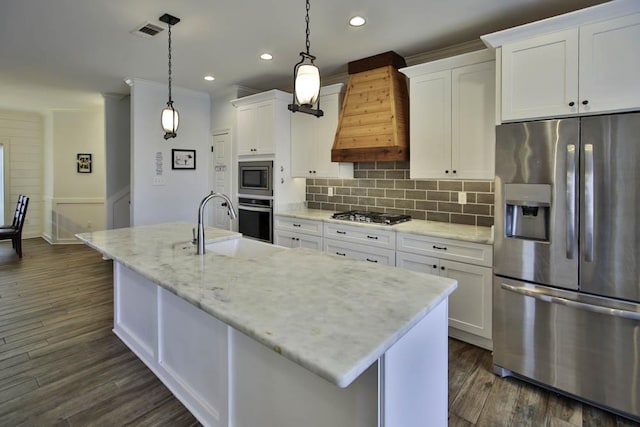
(65, 53)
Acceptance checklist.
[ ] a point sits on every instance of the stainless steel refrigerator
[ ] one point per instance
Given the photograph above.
(566, 288)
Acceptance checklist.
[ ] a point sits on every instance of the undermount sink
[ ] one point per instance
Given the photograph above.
(243, 248)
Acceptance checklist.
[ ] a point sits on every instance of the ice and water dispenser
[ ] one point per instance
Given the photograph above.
(528, 208)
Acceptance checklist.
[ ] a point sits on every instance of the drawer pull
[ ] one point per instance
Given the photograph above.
(341, 232)
(442, 248)
(372, 237)
(341, 254)
(297, 225)
(372, 260)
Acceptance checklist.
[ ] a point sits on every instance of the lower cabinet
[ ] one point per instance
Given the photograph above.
(470, 305)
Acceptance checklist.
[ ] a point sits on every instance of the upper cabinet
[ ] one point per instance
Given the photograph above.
(262, 120)
(312, 138)
(452, 117)
(584, 62)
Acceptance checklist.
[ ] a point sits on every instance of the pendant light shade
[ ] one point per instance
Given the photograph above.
(307, 86)
(170, 120)
(170, 117)
(306, 81)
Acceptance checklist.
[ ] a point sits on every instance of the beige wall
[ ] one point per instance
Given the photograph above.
(21, 134)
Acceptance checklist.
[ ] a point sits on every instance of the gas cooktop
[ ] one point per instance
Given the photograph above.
(371, 217)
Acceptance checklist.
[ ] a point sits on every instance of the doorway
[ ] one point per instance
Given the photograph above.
(221, 176)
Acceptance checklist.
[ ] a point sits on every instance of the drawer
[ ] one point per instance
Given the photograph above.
(290, 239)
(358, 251)
(453, 250)
(306, 226)
(361, 234)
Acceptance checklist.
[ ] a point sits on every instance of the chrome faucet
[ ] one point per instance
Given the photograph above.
(230, 210)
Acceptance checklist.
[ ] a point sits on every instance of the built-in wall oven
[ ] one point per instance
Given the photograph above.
(255, 178)
(255, 218)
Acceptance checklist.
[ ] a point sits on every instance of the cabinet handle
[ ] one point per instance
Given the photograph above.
(341, 232)
(293, 238)
(442, 268)
(310, 171)
(297, 239)
(454, 171)
(447, 171)
(372, 237)
(442, 248)
(372, 260)
(585, 102)
(297, 225)
(571, 104)
(435, 266)
(341, 254)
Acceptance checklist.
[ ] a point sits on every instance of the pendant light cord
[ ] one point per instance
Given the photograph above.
(308, 32)
(170, 101)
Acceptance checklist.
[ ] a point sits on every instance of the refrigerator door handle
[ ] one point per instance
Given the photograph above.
(570, 198)
(570, 303)
(589, 203)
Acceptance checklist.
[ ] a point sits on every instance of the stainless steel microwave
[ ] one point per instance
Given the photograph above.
(255, 178)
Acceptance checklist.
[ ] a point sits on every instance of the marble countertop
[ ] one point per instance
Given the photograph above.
(332, 315)
(445, 230)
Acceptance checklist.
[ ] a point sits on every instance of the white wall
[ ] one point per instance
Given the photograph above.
(76, 202)
(21, 134)
(176, 193)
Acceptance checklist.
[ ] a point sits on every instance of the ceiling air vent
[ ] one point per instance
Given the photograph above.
(147, 30)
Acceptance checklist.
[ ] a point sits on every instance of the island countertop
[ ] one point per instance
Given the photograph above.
(332, 315)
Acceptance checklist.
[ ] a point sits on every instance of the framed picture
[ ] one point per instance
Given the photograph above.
(84, 163)
(183, 159)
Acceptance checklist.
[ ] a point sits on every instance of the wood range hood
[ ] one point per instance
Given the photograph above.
(374, 120)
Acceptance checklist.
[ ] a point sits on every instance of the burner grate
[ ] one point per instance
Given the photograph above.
(371, 217)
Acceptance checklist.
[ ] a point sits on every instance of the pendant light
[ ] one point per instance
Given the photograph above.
(170, 117)
(306, 81)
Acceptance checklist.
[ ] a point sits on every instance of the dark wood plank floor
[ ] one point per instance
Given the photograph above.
(60, 364)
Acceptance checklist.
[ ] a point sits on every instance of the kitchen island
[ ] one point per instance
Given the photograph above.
(294, 337)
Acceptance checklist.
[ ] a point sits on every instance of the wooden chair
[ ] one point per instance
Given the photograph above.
(14, 231)
(14, 222)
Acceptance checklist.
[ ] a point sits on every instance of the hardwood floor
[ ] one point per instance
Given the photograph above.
(60, 364)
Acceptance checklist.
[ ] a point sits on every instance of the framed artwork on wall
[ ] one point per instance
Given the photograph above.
(84, 163)
(183, 159)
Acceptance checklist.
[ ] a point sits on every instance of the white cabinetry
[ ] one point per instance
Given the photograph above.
(294, 233)
(470, 305)
(312, 138)
(452, 117)
(365, 243)
(582, 69)
(263, 121)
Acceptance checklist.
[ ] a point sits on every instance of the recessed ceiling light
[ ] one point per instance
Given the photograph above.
(266, 56)
(209, 78)
(357, 21)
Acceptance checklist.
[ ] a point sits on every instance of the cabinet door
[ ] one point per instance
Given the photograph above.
(470, 306)
(247, 129)
(430, 125)
(325, 132)
(303, 142)
(473, 121)
(540, 76)
(609, 64)
(265, 128)
(419, 263)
